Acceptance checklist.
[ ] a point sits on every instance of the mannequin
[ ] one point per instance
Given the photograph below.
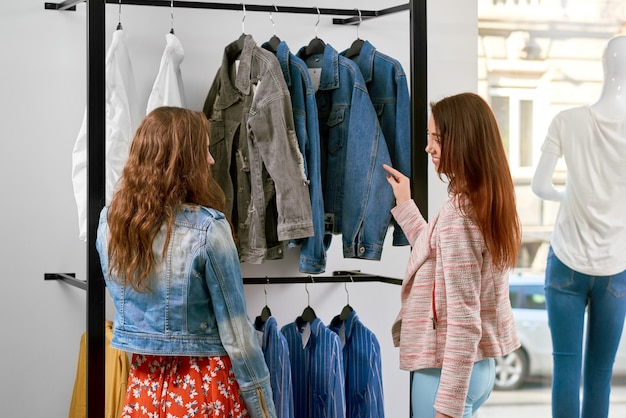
(586, 266)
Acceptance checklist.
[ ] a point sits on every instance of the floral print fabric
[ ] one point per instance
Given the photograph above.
(182, 387)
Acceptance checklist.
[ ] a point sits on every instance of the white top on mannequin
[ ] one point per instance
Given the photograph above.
(590, 230)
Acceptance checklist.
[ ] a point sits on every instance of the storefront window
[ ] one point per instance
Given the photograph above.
(536, 58)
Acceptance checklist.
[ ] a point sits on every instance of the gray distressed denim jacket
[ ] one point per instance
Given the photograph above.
(257, 159)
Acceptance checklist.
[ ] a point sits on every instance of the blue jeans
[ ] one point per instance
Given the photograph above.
(569, 295)
(425, 383)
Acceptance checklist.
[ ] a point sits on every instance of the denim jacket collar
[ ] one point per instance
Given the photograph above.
(329, 79)
(365, 61)
(282, 54)
(230, 94)
(330, 69)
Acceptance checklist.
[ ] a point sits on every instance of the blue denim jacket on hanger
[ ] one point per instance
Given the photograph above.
(388, 89)
(357, 197)
(312, 249)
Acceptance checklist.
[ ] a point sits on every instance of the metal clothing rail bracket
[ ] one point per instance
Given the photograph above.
(69, 278)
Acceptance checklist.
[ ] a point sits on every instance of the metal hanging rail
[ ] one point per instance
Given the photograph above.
(96, 126)
(365, 14)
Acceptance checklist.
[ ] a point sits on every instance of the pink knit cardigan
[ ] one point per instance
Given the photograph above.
(467, 319)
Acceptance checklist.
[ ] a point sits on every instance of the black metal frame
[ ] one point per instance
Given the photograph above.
(96, 125)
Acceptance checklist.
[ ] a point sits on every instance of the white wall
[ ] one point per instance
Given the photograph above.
(42, 99)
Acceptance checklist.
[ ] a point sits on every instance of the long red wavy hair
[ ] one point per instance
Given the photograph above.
(167, 166)
(475, 164)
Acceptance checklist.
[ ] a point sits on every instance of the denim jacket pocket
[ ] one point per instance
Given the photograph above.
(336, 125)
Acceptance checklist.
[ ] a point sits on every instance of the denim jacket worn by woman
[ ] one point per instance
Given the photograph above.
(357, 197)
(195, 305)
(295, 72)
(389, 92)
(258, 162)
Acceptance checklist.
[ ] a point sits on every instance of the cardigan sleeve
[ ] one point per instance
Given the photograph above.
(410, 219)
(460, 248)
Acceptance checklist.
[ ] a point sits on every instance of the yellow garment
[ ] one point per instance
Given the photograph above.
(117, 367)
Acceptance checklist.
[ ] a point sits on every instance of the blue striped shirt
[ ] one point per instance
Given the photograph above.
(316, 370)
(276, 352)
(362, 368)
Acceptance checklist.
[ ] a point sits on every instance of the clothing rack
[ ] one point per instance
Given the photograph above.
(96, 126)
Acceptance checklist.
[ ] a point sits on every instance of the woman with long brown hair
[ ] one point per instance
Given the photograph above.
(171, 267)
(455, 316)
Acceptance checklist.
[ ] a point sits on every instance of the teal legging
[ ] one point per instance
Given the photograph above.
(425, 383)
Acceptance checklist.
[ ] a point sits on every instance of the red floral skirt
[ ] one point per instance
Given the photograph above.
(182, 387)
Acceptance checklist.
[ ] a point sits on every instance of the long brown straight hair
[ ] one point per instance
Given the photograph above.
(475, 164)
(167, 166)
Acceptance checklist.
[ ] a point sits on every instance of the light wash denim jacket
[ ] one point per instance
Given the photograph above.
(357, 197)
(196, 305)
(389, 92)
(295, 72)
(258, 162)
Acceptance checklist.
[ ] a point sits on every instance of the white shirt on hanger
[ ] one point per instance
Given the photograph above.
(123, 116)
(168, 89)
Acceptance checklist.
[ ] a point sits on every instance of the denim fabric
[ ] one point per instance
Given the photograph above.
(357, 197)
(425, 384)
(570, 296)
(257, 158)
(312, 249)
(196, 304)
(316, 370)
(362, 367)
(388, 89)
(276, 352)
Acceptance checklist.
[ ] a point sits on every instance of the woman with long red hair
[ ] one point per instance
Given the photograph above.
(455, 315)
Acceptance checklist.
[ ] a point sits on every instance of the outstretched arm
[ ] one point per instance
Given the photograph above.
(542, 184)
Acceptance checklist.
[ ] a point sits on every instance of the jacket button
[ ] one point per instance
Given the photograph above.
(361, 250)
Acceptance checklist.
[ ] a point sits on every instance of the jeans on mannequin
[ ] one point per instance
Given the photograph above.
(569, 294)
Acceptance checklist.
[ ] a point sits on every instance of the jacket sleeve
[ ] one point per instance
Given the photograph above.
(410, 220)
(237, 334)
(460, 248)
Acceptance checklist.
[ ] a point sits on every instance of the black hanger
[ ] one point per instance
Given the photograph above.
(347, 310)
(265, 312)
(316, 46)
(356, 46)
(272, 44)
(308, 315)
(172, 16)
(119, 17)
